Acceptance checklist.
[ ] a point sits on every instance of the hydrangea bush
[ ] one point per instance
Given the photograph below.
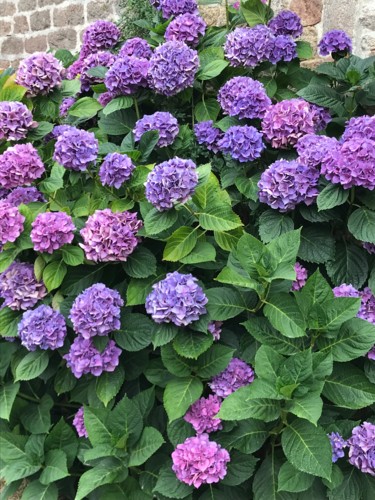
(187, 235)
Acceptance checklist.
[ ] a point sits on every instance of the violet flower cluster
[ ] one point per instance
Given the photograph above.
(201, 415)
(171, 182)
(312, 149)
(42, 328)
(96, 311)
(369, 247)
(127, 75)
(360, 127)
(51, 230)
(244, 97)
(19, 287)
(186, 28)
(102, 58)
(176, 299)
(40, 73)
(237, 374)
(162, 122)
(243, 143)
(371, 353)
(20, 165)
(367, 308)
(199, 461)
(284, 48)
(136, 47)
(24, 195)
(335, 43)
(286, 184)
(15, 121)
(79, 423)
(76, 149)
(100, 35)
(321, 117)
(170, 8)
(11, 222)
(338, 445)
(286, 23)
(208, 135)
(66, 104)
(362, 448)
(115, 170)
(214, 327)
(109, 236)
(173, 67)
(301, 277)
(105, 98)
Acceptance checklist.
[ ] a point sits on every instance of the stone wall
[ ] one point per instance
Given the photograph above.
(27, 26)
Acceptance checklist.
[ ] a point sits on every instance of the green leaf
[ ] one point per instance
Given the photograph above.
(109, 384)
(180, 243)
(293, 480)
(202, 252)
(122, 102)
(348, 387)
(37, 419)
(361, 224)
(109, 471)
(207, 110)
(179, 394)
(248, 436)
(55, 181)
(240, 468)
(263, 332)
(224, 303)
(55, 467)
(333, 195)
(231, 277)
(317, 244)
(163, 333)
(227, 240)
(8, 393)
(323, 96)
(212, 69)
(254, 11)
(265, 480)
(335, 312)
(313, 294)
(119, 122)
(147, 143)
(156, 222)
(19, 470)
(62, 437)
(9, 320)
(85, 108)
(308, 407)
(219, 218)
(304, 50)
(140, 264)
(36, 490)
(149, 442)
(284, 314)
(136, 332)
(272, 224)
(70, 88)
(137, 290)
(169, 486)
(126, 420)
(72, 256)
(174, 363)
(41, 131)
(97, 428)
(248, 186)
(214, 361)
(349, 265)
(242, 405)
(191, 344)
(307, 448)
(32, 365)
(54, 274)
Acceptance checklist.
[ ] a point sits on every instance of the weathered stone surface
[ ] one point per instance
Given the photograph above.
(339, 15)
(20, 24)
(36, 44)
(310, 35)
(5, 27)
(100, 9)
(214, 15)
(7, 8)
(40, 20)
(368, 21)
(12, 45)
(368, 44)
(63, 39)
(68, 16)
(24, 5)
(44, 3)
(310, 11)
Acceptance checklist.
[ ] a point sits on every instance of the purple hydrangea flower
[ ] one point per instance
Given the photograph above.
(173, 67)
(301, 277)
(20, 165)
(163, 122)
(186, 28)
(371, 353)
(336, 43)
(345, 290)
(109, 236)
(287, 121)
(105, 98)
(83, 357)
(15, 121)
(284, 48)
(312, 149)
(244, 97)
(243, 143)
(362, 448)
(74, 69)
(176, 299)
(19, 287)
(237, 374)
(115, 170)
(208, 135)
(100, 35)
(214, 327)
(367, 309)
(136, 47)
(58, 130)
(127, 75)
(285, 184)
(338, 444)
(79, 423)
(175, 7)
(236, 5)
(96, 311)
(201, 415)
(352, 164)
(249, 46)
(75, 149)
(286, 23)
(51, 230)
(171, 182)
(40, 73)
(24, 195)
(361, 127)
(11, 222)
(369, 247)
(199, 461)
(3, 193)
(42, 328)
(66, 105)
(321, 117)
(102, 58)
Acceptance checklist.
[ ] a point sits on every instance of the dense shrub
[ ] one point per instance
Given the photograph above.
(187, 265)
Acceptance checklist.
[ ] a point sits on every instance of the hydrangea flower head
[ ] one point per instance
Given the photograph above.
(199, 461)
(249, 46)
(335, 43)
(96, 311)
(24, 195)
(173, 67)
(338, 444)
(40, 73)
(208, 135)
(367, 309)
(15, 121)
(312, 149)
(83, 357)
(362, 448)
(201, 415)
(76, 149)
(244, 97)
(176, 299)
(105, 98)
(237, 374)
(58, 130)
(186, 28)
(101, 58)
(75, 69)
(136, 47)
(115, 170)
(19, 287)
(11, 222)
(20, 165)
(321, 117)
(171, 182)
(369, 247)
(345, 290)
(66, 104)
(79, 423)
(284, 48)
(301, 277)
(286, 23)
(175, 7)
(162, 122)
(360, 127)
(243, 143)
(100, 35)
(51, 230)
(109, 236)
(371, 353)
(42, 328)
(127, 75)
(214, 327)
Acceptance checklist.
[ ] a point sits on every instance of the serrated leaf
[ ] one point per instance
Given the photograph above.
(85, 108)
(349, 265)
(207, 110)
(72, 256)
(240, 468)
(333, 195)
(213, 361)
(254, 12)
(109, 384)
(191, 344)
(169, 486)
(140, 264)
(9, 320)
(32, 365)
(122, 102)
(212, 69)
(272, 224)
(54, 274)
(149, 442)
(96, 425)
(36, 490)
(323, 96)
(284, 315)
(179, 394)
(104, 473)
(292, 480)
(163, 333)
(156, 222)
(309, 407)
(317, 244)
(202, 252)
(55, 467)
(248, 436)
(136, 332)
(248, 186)
(8, 393)
(224, 303)
(242, 405)
(180, 243)
(219, 218)
(361, 224)
(174, 363)
(263, 332)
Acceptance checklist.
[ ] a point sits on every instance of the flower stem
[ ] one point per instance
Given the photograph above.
(136, 108)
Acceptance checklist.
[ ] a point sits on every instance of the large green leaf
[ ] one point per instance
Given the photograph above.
(284, 314)
(54, 274)
(169, 486)
(141, 263)
(55, 467)
(323, 96)
(240, 468)
(349, 265)
(8, 393)
(85, 108)
(263, 332)
(317, 244)
(109, 384)
(32, 365)
(254, 11)
(149, 442)
(332, 196)
(248, 436)
(9, 320)
(273, 224)
(120, 122)
(361, 224)
(175, 364)
(97, 427)
(207, 110)
(265, 481)
(293, 480)
(122, 102)
(334, 312)
(179, 394)
(156, 222)
(224, 303)
(308, 407)
(191, 344)
(242, 405)
(107, 472)
(202, 252)
(213, 361)
(180, 243)
(136, 332)
(36, 490)
(219, 218)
